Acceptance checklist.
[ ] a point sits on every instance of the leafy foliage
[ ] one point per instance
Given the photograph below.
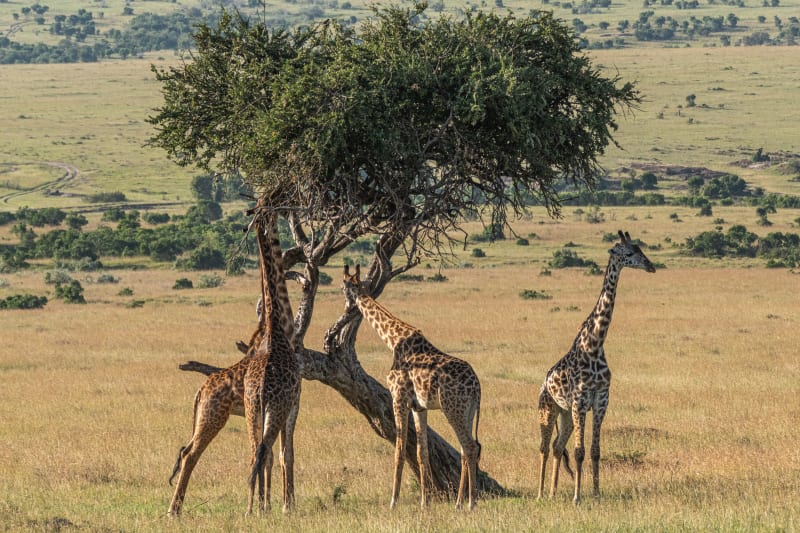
(486, 110)
(23, 301)
(567, 258)
(780, 249)
(71, 292)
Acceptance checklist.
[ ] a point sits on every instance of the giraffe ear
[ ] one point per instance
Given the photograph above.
(627, 236)
(621, 235)
(358, 271)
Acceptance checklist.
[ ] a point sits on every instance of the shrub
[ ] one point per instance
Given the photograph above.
(107, 278)
(57, 276)
(477, 252)
(529, 294)
(156, 218)
(126, 291)
(325, 279)
(210, 281)
(438, 278)
(105, 197)
(492, 232)
(183, 283)
(523, 242)
(71, 293)
(568, 258)
(203, 258)
(23, 301)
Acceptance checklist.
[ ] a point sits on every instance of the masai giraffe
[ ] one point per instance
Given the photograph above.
(223, 393)
(279, 385)
(422, 377)
(580, 381)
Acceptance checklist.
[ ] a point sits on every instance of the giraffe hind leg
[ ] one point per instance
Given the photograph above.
(209, 421)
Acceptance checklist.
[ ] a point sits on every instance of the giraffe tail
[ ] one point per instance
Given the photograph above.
(565, 462)
(177, 468)
(565, 459)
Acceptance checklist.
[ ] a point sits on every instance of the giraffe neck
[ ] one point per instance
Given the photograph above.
(277, 315)
(391, 329)
(595, 328)
(285, 314)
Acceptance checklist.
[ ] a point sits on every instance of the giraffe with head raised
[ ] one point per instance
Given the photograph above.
(224, 392)
(278, 386)
(421, 378)
(580, 381)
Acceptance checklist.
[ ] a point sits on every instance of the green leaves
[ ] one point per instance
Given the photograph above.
(402, 122)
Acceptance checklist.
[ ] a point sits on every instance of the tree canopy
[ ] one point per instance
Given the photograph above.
(398, 125)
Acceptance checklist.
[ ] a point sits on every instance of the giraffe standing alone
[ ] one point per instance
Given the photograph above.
(223, 393)
(580, 381)
(422, 378)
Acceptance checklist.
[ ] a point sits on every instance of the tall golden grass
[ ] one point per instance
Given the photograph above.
(701, 431)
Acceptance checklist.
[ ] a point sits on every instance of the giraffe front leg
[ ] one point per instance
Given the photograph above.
(579, 420)
(401, 428)
(423, 459)
(597, 422)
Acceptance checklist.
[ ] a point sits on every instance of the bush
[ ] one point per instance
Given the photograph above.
(57, 276)
(203, 258)
(106, 197)
(438, 278)
(492, 232)
(156, 218)
(325, 279)
(522, 242)
(568, 258)
(529, 294)
(71, 293)
(23, 301)
(183, 283)
(477, 252)
(107, 278)
(126, 291)
(210, 281)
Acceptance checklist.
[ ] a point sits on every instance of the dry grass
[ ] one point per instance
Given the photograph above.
(700, 433)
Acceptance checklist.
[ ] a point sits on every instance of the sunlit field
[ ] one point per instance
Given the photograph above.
(700, 432)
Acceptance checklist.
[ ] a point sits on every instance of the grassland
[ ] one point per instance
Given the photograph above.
(700, 432)
(702, 428)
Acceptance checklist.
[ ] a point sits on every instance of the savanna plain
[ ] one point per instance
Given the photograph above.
(701, 431)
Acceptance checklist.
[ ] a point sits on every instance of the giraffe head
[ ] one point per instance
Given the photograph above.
(351, 286)
(628, 254)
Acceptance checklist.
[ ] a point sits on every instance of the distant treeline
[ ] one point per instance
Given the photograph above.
(145, 33)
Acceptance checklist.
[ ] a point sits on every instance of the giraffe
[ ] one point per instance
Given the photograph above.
(223, 393)
(276, 391)
(580, 381)
(422, 378)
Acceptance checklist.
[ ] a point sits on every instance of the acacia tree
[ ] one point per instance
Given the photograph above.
(398, 129)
